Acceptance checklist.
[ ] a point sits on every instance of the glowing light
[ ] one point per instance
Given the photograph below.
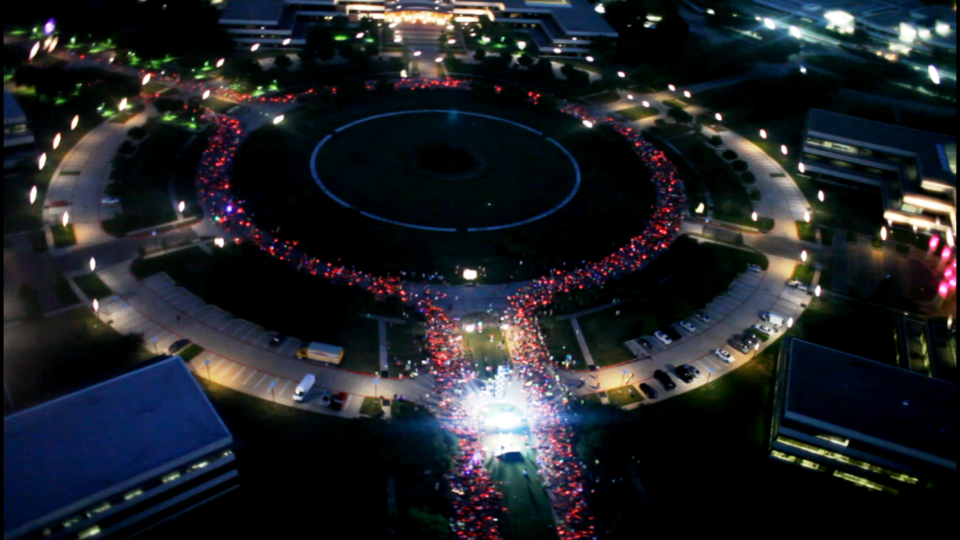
(588, 123)
(803, 256)
(254, 47)
(599, 8)
(945, 254)
(218, 242)
(470, 328)
(205, 95)
(783, 149)
(883, 233)
(803, 69)
(763, 134)
(630, 96)
(818, 291)
(451, 41)
(621, 74)
(719, 117)
(34, 50)
(521, 45)
(65, 219)
(934, 73)
(557, 50)
(754, 216)
(806, 217)
(469, 274)
(49, 26)
(277, 119)
(944, 289)
(123, 104)
(56, 141)
(360, 35)
(285, 42)
(506, 421)
(769, 23)
(93, 264)
(590, 59)
(417, 53)
(42, 161)
(145, 80)
(687, 94)
(96, 305)
(33, 194)
(795, 32)
(181, 206)
(397, 39)
(790, 322)
(403, 74)
(53, 44)
(438, 59)
(672, 88)
(821, 195)
(700, 208)
(645, 103)
(934, 242)
(74, 122)
(220, 62)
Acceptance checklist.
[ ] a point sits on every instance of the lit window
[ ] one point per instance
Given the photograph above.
(132, 494)
(87, 533)
(171, 477)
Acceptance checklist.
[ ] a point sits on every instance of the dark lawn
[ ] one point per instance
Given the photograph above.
(63, 236)
(609, 209)
(405, 343)
(484, 355)
(562, 342)
(92, 286)
(528, 514)
(639, 112)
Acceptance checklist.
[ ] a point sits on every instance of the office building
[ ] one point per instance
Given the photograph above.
(18, 140)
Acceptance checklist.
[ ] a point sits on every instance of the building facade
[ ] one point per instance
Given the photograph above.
(18, 140)
(558, 27)
(115, 458)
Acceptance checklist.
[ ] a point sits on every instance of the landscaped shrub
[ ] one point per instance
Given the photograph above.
(729, 155)
(137, 132)
(755, 194)
(716, 140)
(748, 177)
(739, 165)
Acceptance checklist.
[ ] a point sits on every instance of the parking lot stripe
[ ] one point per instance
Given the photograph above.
(214, 367)
(260, 381)
(284, 389)
(242, 369)
(275, 379)
(226, 369)
(252, 373)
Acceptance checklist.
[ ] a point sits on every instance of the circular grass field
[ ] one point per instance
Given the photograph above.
(376, 167)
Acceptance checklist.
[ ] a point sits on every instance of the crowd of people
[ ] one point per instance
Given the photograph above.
(476, 499)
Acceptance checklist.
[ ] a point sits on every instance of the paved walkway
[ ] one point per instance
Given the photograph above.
(582, 342)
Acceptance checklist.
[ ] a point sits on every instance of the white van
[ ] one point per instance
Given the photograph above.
(774, 319)
(304, 387)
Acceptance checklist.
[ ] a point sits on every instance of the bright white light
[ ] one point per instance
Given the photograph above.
(803, 255)
(719, 117)
(53, 44)
(907, 33)
(630, 96)
(687, 94)
(645, 103)
(821, 195)
(42, 161)
(403, 74)
(621, 74)
(254, 47)
(65, 219)
(438, 59)
(806, 217)
(818, 291)
(397, 39)
(123, 104)
(34, 50)
(795, 32)
(74, 122)
(700, 208)
(770, 23)
(803, 70)
(285, 42)
(96, 305)
(590, 59)
(755, 216)
(841, 21)
(790, 322)
(557, 50)
(417, 53)
(588, 123)
(220, 62)
(672, 88)
(521, 45)
(783, 149)
(93, 264)
(469, 274)
(219, 242)
(205, 95)
(883, 233)
(451, 41)
(33, 194)
(145, 80)
(934, 73)
(277, 119)
(181, 206)
(763, 134)
(470, 328)
(599, 8)
(56, 141)
(359, 35)
(506, 421)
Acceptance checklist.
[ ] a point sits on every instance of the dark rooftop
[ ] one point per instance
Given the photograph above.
(86, 446)
(868, 400)
(253, 11)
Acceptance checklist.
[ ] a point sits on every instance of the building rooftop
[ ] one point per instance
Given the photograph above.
(253, 11)
(872, 402)
(575, 16)
(12, 113)
(64, 455)
(935, 153)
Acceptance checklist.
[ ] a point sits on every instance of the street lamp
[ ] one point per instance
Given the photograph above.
(254, 47)
(205, 95)
(719, 117)
(933, 73)
(65, 219)
(687, 94)
(818, 291)
(93, 264)
(145, 80)
(803, 255)
(630, 97)
(802, 168)
(621, 74)
(220, 62)
(74, 122)
(56, 141)
(783, 149)
(672, 87)
(181, 206)
(700, 208)
(42, 161)
(34, 50)
(33, 194)
(588, 123)
(438, 59)
(285, 42)
(590, 59)
(219, 242)
(821, 196)
(646, 104)
(123, 104)
(883, 233)
(96, 308)
(790, 322)
(754, 216)
(469, 274)
(806, 217)
(803, 70)
(277, 119)
(763, 134)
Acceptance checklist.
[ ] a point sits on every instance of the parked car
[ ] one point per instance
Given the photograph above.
(339, 401)
(277, 340)
(672, 333)
(325, 397)
(740, 346)
(664, 380)
(687, 325)
(665, 339)
(703, 316)
(750, 339)
(178, 346)
(649, 391)
(764, 329)
(724, 355)
(754, 268)
(684, 374)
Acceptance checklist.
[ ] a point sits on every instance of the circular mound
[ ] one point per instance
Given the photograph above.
(366, 166)
(445, 162)
(360, 213)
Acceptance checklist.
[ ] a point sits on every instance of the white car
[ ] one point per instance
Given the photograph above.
(797, 284)
(764, 329)
(665, 339)
(703, 316)
(724, 355)
(686, 325)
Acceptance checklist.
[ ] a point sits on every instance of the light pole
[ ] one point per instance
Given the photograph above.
(207, 363)
(274, 396)
(376, 381)
(755, 349)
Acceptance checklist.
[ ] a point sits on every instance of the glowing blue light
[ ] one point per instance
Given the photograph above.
(49, 26)
(229, 208)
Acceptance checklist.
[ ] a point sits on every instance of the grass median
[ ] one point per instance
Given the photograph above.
(92, 286)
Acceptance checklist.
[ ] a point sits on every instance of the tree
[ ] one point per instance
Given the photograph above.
(543, 71)
(371, 50)
(525, 60)
(748, 177)
(679, 115)
(282, 61)
(320, 42)
(479, 55)
(165, 105)
(127, 148)
(739, 165)
(716, 140)
(756, 194)
(729, 154)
